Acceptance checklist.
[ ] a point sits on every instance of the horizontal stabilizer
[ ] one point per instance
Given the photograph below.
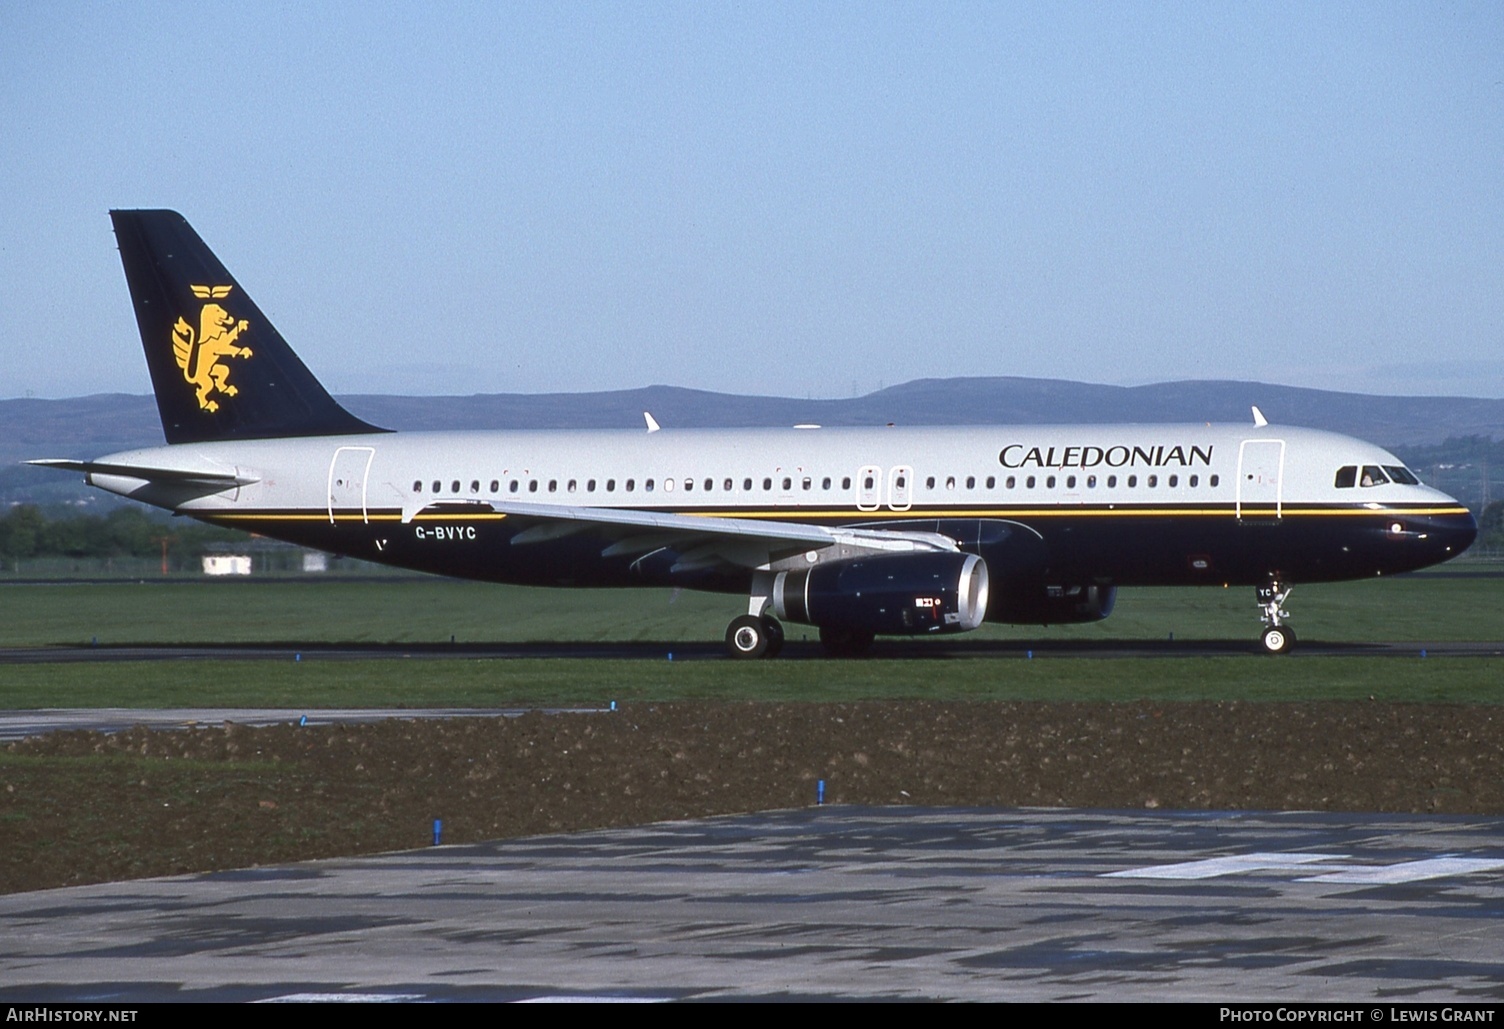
(148, 474)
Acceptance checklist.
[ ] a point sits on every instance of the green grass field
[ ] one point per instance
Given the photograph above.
(421, 610)
(312, 683)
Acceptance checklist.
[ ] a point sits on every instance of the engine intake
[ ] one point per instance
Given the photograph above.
(899, 595)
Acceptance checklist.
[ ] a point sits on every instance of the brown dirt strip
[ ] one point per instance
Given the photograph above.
(79, 807)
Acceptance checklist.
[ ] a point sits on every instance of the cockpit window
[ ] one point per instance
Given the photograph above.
(1347, 476)
(1401, 475)
(1373, 475)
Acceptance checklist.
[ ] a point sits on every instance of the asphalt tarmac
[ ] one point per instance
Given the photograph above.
(827, 903)
(18, 725)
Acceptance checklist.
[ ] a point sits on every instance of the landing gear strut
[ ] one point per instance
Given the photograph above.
(1277, 637)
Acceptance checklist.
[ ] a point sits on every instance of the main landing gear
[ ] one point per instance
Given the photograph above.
(1277, 637)
(750, 636)
(756, 633)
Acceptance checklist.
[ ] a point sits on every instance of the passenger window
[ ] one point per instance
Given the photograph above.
(570, 487)
(788, 484)
(1153, 481)
(647, 485)
(631, 485)
(1194, 481)
(727, 485)
(474, 485)
(532, 485)
(1347, 477)
(436, 485)
(553, 485)
(950, 482)
(767, 484)
(747, 485)
(418, 486)
(689, 485)
(1049, 483)
(991, 481)
(929, 483)
(846, 483)
(1132, 481)
(899, 482)
(709, 485)
(1112, 481)
(807, 484)
(1070, 482)
(971, 482)
(1213, 480)
(495, 486)
(454, 487)
(610, 485)
(1029, 482)
(1173, 480)
(512, 486)
(825, 483)
(590, 486)
(1091, 482)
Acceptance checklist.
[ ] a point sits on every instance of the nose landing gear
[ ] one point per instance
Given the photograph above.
(1277, 638)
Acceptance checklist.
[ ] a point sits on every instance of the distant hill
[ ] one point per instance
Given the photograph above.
(95, 425)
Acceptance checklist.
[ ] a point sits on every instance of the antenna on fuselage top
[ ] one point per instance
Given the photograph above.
(652, 422)
(1258, 417)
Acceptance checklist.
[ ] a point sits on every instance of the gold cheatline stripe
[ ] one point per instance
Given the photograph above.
(800, 514)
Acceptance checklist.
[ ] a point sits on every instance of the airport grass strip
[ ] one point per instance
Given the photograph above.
(311, 683)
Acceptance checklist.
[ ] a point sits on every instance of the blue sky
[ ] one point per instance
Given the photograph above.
(804, 199)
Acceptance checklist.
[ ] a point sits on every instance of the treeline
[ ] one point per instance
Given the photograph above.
(1491, 526)
(26, 531)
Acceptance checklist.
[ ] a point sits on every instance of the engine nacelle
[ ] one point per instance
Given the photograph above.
(898, 594)
(1054, 605)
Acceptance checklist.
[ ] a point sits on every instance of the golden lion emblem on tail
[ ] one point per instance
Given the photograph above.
(200, 354)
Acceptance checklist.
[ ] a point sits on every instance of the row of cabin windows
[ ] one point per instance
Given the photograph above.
(630, 485)
(806, 483)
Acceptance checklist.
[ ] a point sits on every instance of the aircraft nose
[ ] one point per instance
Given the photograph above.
(1447, 534)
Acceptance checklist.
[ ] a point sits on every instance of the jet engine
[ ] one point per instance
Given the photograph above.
(898, 594)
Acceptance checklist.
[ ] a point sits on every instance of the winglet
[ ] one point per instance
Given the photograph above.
(1258, 417)
(652, 423)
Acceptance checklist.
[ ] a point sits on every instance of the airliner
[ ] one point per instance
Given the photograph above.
(858, 532)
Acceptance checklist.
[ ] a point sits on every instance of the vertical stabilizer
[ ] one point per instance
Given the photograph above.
(219, 368)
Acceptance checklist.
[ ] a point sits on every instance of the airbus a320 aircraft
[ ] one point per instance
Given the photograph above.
(859, 532)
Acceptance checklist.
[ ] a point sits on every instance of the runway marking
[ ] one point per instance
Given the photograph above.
(342, 998)
(1333, 868)
(592, 998)
(1410, 871)
(1213, 867)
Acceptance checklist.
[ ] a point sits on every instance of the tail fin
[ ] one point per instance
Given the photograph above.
(218, 367)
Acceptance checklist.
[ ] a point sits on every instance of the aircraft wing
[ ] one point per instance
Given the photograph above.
(707, 541)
